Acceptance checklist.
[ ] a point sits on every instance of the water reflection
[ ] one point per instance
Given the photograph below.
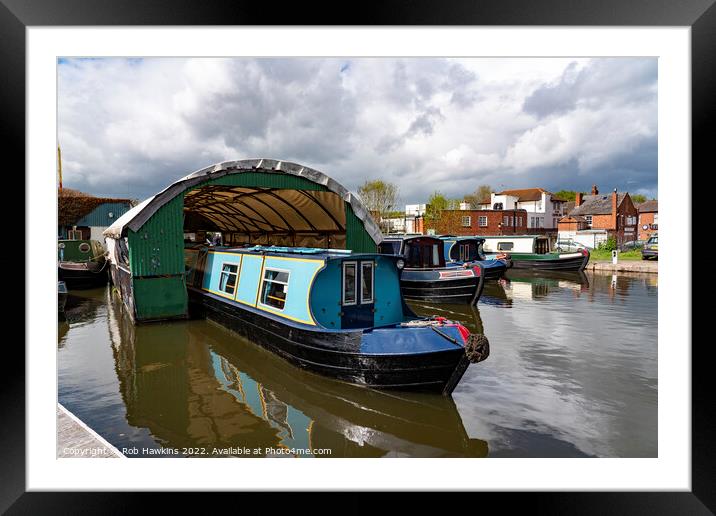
(572, 372)
(195, 384)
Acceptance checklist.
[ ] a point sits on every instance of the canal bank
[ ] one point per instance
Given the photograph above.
(76, 439)
(642, 266)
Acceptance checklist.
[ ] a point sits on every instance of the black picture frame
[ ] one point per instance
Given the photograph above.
(16, 15)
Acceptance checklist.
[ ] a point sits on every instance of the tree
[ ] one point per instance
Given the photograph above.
(638, 198)
(443, 214)
(379, 197)
(566, 195)
(437, 203)
(480, 194)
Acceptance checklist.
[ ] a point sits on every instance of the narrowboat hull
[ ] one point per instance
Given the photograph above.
(337, 354)
(570, 262)
(78, 275)
(428, 285)
(493, 269)
(61, 296)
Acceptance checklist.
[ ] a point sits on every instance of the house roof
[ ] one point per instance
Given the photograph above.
(649, 206)
(73, 205)
(597, 204)
(576, 218)
(526, 194)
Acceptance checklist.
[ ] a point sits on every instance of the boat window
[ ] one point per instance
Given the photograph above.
(84, 247)
(349, 283)
(366, 289)
(274, 288)
(505, 246)
(389, 247)
(227, 280)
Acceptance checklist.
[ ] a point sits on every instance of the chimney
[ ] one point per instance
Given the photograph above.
(614, 209)
(578, 199)
(595, 191)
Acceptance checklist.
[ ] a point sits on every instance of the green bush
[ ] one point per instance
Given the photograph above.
(610, 244)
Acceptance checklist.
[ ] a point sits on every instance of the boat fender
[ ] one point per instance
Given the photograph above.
(477, 348)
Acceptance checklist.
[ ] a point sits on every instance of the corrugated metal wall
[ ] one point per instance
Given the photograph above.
(100, 215)
(158, 247)
(265, 180)
(357, 238)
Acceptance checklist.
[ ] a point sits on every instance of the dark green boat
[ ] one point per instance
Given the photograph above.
(534, 252)
(81, 264)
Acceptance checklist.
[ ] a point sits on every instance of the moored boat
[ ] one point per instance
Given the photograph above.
(333, 312)
(81, 263)
(61, 296)
(467, 250)
(534, 252)
(428, 277)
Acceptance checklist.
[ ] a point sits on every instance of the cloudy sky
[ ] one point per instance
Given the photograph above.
(130, 127)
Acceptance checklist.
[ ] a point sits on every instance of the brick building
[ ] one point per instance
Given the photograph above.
(612, 214)
(481, 222)
(648, 219)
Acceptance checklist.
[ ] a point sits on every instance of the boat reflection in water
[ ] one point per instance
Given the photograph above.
(530, 285)
(516, 286)
(194, 384)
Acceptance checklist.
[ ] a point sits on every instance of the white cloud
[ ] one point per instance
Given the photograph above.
(130, 127)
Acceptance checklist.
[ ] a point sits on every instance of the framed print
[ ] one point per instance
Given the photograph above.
(421, 246)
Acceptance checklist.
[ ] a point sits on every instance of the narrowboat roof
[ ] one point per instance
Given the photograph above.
(461, 238)
(505, 237)
(255, 209)
(294, 252)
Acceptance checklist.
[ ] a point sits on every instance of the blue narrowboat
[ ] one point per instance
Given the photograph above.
(333, 312)
(428, 277)
(468, 249)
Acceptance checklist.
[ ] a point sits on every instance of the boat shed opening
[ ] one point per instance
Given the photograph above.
(250, 202)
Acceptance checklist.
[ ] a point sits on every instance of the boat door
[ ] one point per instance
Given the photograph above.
(358, 285)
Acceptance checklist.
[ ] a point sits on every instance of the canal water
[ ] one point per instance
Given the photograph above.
(572, 373)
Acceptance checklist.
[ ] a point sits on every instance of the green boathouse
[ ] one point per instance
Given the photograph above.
(258, 201)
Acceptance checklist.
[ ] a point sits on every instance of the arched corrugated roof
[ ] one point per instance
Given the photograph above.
(237, 208)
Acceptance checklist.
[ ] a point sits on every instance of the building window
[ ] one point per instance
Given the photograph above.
(589, 220)
(505, 246)
(227, 280)
(275, 288)
(505, 220)
(466, 221)
(349, 283)
(482, 221)
(630, 221)
(366, 281)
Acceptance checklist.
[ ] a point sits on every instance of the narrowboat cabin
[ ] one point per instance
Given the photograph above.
(297, 272)
(332, 312)
(428, 277)
(81, 264)
(534, 252)
(461, 250)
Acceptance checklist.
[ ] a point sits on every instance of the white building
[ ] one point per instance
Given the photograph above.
(543, 209)
(415, 210)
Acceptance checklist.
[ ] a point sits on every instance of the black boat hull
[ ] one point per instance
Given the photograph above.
(336, 354)
(454, 291)
(82, 276)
